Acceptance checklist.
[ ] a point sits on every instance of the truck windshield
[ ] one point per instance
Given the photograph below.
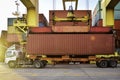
(10, 54)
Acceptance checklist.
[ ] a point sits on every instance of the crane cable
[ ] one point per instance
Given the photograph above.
(87, 4)
(88, 13)
(54, 6)
(53, 13)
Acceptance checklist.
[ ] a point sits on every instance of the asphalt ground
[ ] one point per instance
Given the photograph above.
(60, 72)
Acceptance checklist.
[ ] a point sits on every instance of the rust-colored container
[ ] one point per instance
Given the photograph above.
(43, 20)
(14, 37)
(63, 14)
(70, 28)
(40, 29)
(100, 29)
(117, 24)
(99, 22)
(70, 44)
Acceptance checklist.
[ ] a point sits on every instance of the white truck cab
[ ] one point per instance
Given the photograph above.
(11, 55)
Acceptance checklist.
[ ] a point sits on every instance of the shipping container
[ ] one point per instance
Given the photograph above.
(10, 21)
(70, 28)
(117, 24)
(14, 37)
(40, 29)
(70, 44)
(101, 29)
(99, 23)
(42, 20)
(63, 14)
(117, 12)
(96, 16)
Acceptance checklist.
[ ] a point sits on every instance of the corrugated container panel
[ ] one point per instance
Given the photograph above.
(100, 29)
(99, 23)
(117, 6)
(41, 24)
(70, 28)
(70, 44)
(117, 24)
(96, 13)
(10, 21)
(63, 14)
(42, 20)
(118, 36)
(40, 29)
(117, 14)
(97, 8)
(96, 18)
(14, 37)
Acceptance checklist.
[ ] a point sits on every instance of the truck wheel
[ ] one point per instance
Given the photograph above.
(103, 64)
(38, 64)
(12, 64)
(113, 63)
(97, 64)
(44, 63)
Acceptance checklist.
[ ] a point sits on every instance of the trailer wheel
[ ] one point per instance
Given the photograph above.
(103, 64)
(113, 63)
(12, 64)
(38, 64)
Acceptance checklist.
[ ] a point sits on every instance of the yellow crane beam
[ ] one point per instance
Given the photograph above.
(32, 12)
(75, 19)
(108, 11)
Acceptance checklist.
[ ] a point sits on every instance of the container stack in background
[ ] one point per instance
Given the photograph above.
(42, 21)
(14, 35)
(97, 16)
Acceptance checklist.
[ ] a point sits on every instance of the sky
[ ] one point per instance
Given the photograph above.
(8, 7)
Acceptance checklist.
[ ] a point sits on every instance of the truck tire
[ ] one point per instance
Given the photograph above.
(103, 64)
(38, 64)
(12, 64)
(44, 63)
(112, 63)
(97, 64)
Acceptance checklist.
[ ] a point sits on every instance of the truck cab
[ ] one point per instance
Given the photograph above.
(11, 55)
